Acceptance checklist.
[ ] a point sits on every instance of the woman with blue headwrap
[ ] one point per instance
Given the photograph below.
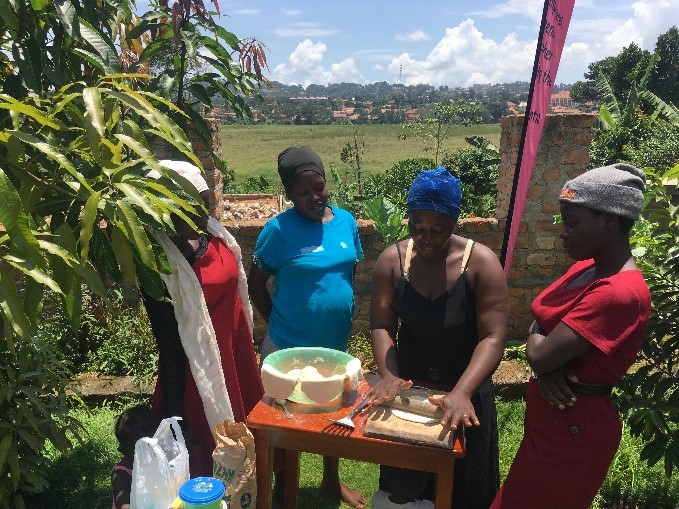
(440, 314)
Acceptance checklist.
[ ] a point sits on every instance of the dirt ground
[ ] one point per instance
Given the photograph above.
(509, 379)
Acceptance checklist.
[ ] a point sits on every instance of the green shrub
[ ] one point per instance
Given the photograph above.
(477, 169)
(394, 183)
(388, 218)
(253, 185)
(126, 344)
(386, 196)
(649, 397)
(33, 412)
(646, 143)
(344, 193)
(113, 341)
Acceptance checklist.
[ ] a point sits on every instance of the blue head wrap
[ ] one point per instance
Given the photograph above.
(436, 190)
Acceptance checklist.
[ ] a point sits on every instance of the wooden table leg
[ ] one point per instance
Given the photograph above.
(264, 467)
(443, 499)
(291, 479)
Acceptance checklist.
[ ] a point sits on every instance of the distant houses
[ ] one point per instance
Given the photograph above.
(365, 111)
(559, 103)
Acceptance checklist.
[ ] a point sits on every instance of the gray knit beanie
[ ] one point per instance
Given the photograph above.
(617, 189)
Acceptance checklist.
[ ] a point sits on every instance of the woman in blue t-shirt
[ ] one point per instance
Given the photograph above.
(311, 250)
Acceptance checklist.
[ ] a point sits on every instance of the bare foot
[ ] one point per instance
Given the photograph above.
(348, 495)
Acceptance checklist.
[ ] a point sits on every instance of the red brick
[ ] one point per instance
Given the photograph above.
(576, 157)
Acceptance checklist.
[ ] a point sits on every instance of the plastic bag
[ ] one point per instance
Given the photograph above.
(161, 466)
(234, 463)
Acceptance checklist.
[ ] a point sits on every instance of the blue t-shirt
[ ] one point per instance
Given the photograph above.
(313, 263)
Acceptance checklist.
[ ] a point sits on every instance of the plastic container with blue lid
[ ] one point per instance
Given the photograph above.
(202, 493)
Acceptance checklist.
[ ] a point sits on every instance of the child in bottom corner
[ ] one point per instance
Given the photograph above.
(131, 425)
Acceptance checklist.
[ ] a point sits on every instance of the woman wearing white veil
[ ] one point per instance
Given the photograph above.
(208, 369)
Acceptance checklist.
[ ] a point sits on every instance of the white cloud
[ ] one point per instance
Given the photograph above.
(304, 30)
(530, 8)
(498, 48)
(598, 38)
(247, 12)
(374, 55)
(464, 57)
(290, 12)
(345, 70)
(414, 36)
(305, 66)
(649, 19)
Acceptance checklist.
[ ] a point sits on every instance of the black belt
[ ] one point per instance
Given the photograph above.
(585, 389)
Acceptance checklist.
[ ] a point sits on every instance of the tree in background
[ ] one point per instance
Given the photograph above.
(433, 128)
(621, 71)
(641, 129)
(195, 63)
(664, 82)
(477, 168)
(628, 67)
(78, 211)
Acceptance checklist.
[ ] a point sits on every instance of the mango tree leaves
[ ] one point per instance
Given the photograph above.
(86, 173)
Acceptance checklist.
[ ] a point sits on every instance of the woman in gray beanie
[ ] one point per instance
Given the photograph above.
(588, 328)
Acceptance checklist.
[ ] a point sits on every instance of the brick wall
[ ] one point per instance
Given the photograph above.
(538, 258)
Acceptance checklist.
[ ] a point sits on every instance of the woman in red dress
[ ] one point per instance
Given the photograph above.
(588, 328)
(215, 260)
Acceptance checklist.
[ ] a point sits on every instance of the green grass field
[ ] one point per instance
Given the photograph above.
(82, 477)
(252, 150)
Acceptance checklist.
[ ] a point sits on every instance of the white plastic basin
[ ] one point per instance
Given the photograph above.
(309, 374)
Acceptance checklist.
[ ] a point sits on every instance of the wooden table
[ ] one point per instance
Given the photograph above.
(313, 432)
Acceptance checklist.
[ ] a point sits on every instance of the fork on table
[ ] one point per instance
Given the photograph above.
(347, 421)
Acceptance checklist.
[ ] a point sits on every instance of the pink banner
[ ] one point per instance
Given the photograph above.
(555, 20)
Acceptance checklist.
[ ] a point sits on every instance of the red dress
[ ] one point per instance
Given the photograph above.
(564, 456)
(218, 276)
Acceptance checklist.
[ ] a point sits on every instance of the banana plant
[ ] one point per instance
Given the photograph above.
(612, 111)
(387, 218)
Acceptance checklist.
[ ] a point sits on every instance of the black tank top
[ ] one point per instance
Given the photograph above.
(436, 338)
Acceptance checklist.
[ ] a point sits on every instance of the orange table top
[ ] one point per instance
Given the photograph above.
(303, 429)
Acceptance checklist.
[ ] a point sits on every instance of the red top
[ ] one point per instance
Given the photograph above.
(217, 272)
(565, 453)
(611, 313)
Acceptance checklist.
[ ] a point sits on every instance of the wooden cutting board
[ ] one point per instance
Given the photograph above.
(382, 423)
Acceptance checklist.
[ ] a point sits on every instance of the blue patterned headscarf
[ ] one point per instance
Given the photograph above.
(436, 190)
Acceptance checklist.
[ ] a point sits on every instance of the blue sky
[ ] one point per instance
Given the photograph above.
(454, 43)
